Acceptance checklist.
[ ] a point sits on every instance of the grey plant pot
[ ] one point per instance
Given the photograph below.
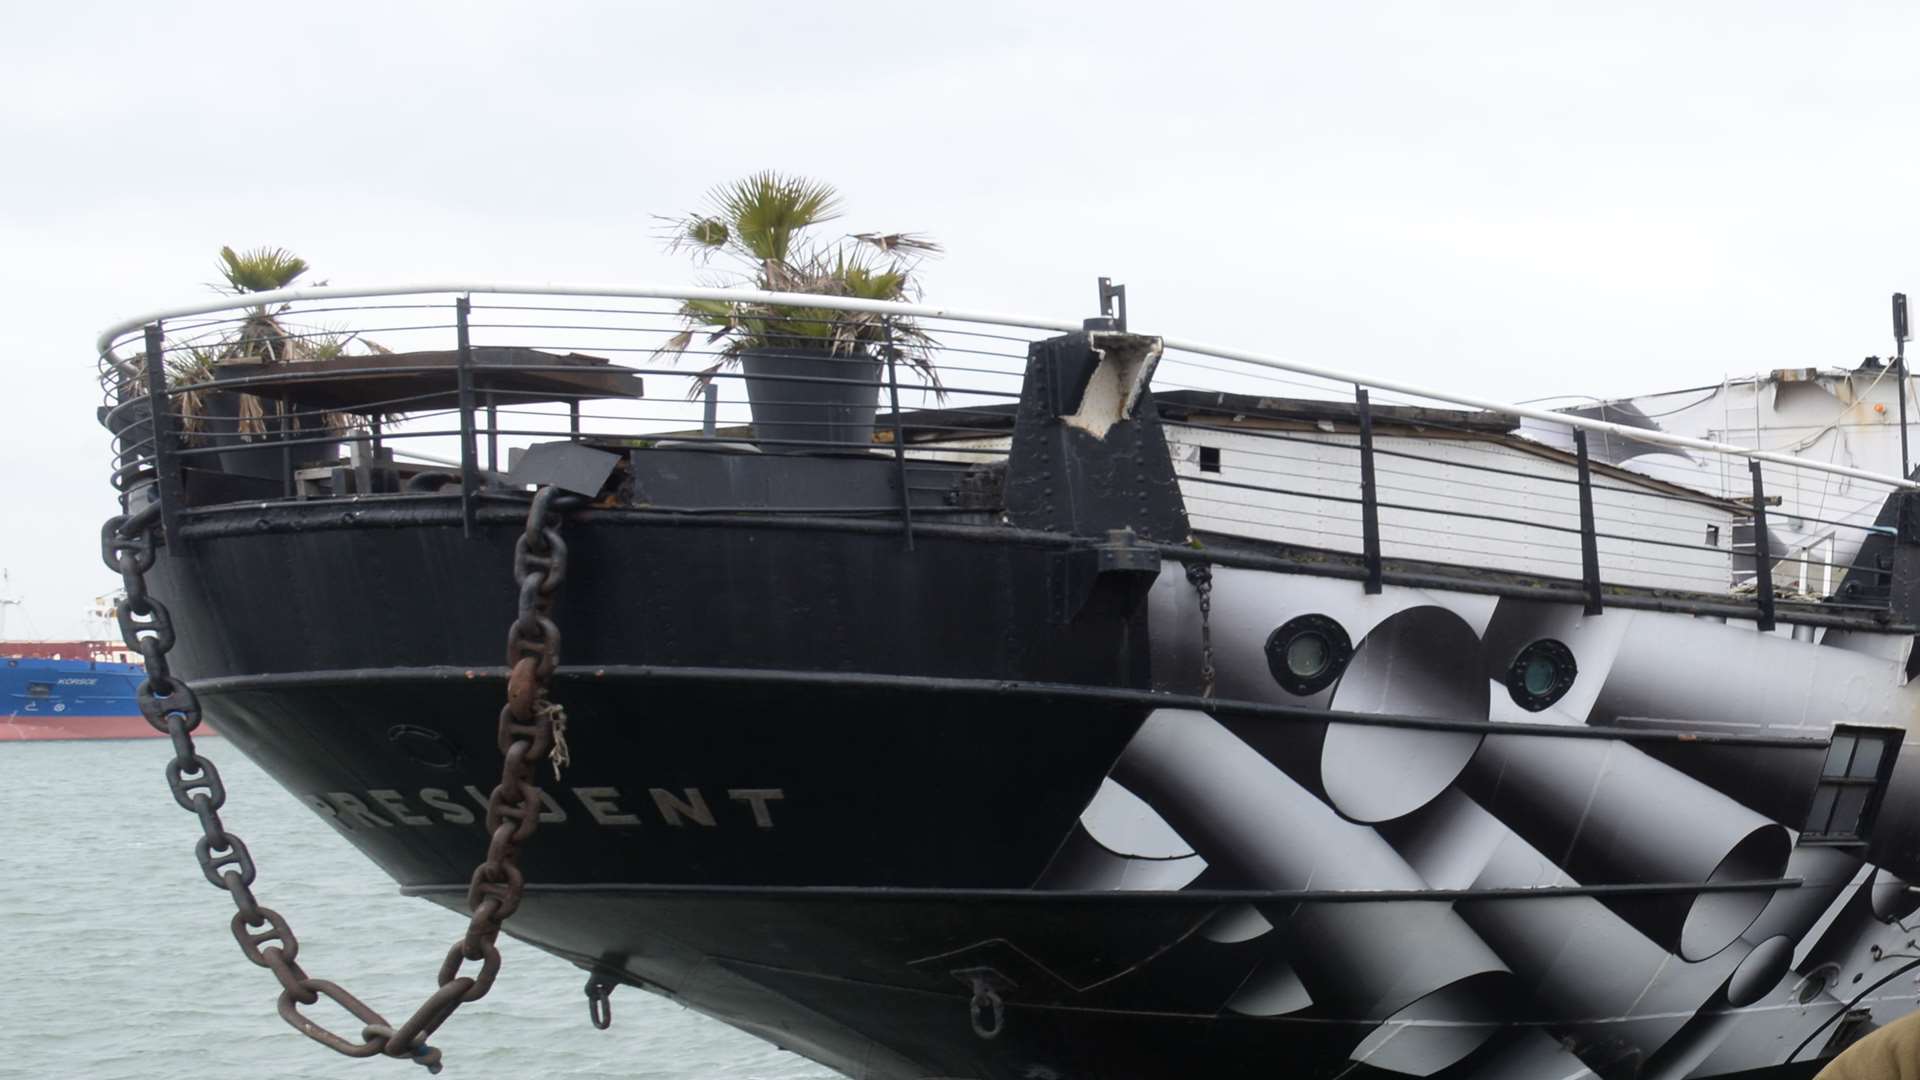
(794, 414)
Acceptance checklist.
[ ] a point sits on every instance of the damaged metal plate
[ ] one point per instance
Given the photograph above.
(568, 466)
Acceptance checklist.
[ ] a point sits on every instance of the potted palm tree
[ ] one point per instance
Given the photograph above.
(237, 420)
(812, 373)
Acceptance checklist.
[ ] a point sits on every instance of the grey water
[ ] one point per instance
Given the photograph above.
(116, 960)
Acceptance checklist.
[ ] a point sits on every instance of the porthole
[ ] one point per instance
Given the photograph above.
(424, 745)
(1306, 654)
(1816, 982)
(1541, 675)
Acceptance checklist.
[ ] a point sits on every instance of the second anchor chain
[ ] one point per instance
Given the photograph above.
(1200, 576)
(531, 731)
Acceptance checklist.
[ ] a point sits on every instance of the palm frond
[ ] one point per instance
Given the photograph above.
(708, 232)
(900, 243)
(262, 269)
(675, 345)
(768, 210)
(187, 373)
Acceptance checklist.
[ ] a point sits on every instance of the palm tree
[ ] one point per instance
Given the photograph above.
(761, 223)
(261, 337)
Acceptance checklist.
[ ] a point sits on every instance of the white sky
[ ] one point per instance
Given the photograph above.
(1514, 201)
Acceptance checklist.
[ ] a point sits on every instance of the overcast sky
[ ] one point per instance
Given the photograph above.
(1513, 200)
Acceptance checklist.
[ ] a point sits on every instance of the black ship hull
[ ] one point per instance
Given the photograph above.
(832, 858)
(926, 769)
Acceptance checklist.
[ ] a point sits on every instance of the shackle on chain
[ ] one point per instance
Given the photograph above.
(600, 988)
(985, 1010)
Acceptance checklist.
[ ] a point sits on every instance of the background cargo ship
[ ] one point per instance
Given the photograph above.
(77, 689)
(68, 690)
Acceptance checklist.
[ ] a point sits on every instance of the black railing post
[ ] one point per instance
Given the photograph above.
(493, 433)
(1762, 549)
(166, 465)
(1589, 536)
(899, 438)
(1369, 497)
(469, 453)
(573, 417)
(289, 486)
(1900, 370)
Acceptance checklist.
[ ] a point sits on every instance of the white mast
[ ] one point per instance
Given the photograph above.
(7, 600)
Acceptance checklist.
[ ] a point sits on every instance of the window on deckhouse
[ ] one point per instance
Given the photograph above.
(1859, 762)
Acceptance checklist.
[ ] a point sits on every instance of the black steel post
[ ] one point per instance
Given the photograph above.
(469, 453)
(1369, 497)
(899, 439)
(573, 417)
(710, 411)
(1762, 549)
(166, 465)
(289, 486)
(1903, 584)
(493, 434)
(1589, 536)
(1900, 371)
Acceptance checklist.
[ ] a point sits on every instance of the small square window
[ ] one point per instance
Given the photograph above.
(1209, 459)
(1858, 764)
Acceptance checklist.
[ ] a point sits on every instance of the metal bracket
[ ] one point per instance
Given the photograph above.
(1121, 566)
(1112, 295)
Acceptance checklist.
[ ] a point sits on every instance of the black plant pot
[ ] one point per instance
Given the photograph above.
(810, 399)
(261, 454)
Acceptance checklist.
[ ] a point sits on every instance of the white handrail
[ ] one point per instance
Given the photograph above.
(104, 345)
(625, 292)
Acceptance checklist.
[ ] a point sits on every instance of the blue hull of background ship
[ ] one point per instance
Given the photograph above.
(1432, 823)
(43, 698)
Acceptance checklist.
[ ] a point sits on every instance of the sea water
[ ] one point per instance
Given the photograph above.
(116, 960)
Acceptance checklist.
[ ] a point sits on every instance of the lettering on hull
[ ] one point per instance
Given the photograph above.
(611, 807)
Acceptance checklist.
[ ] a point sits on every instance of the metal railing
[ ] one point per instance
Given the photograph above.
(1267, 449)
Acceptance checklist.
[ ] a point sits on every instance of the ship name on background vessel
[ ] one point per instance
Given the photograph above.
(386, 808)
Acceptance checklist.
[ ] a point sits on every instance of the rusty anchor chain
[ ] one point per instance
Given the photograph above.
(1200, 576)
(531, 730)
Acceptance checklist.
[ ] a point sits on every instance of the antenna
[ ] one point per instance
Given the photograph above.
(1901, 335)
(7, 600)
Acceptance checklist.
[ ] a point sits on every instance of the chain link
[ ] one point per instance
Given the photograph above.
(1200, 576)
(528, 731)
